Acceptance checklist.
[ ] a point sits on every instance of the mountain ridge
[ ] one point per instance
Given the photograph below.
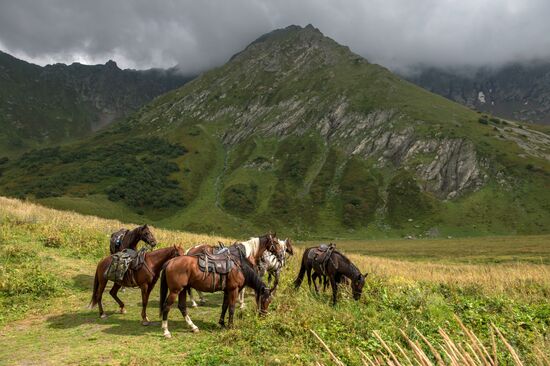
(299, 132)
(58, 102)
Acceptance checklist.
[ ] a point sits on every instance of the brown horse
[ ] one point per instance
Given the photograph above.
(125, 238)
(183, 273)
(145, 278)
(254, 250)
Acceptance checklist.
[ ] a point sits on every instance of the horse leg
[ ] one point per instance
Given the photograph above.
(113, 293)
(224, 309)
(100, 290)
(314, 279)
(145, 291)
(202, 300)
(232, 299)
(165, 310)
(242, 304)
(190, 293)
(308, 272)
(334, 286)
(182, 305)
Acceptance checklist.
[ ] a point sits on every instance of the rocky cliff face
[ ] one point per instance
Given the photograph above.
(56, 102)
(519, 91)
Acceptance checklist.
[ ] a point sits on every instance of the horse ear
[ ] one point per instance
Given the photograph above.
(366, 274)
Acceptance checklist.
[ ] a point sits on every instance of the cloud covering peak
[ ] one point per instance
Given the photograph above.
(198, 35)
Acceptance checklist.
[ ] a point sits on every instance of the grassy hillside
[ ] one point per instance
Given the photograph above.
(298, 132)
(47, 260)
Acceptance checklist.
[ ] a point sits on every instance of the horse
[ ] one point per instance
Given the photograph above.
(254, 249)
(336, 267)
(183, 273)
(272, 265)
(144, 277)
(124, 238)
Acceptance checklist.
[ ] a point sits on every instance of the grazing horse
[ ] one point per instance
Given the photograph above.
(184, 272)
(145, 278)
(272, 265)
(254, 249)
(125, 238)
(336, 267)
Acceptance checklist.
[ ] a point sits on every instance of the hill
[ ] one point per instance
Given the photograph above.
(298, 132)
(48, 257)
(518, 91)
(45, 105)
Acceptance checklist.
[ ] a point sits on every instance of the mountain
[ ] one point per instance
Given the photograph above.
(519, 91)
(58, 102)
(299, 134)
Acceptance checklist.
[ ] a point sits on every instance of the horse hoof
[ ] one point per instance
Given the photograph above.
(167, 334)
(103, 316)
(122, 310)
(194, 305)
(195, 330)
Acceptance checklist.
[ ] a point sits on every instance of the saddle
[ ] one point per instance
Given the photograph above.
(124, 263)
(220, 262)
(320, 256)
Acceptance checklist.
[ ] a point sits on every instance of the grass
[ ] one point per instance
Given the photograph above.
(45, 321)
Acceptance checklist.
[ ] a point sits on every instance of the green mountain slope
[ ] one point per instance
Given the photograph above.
(298, 133)
(44, 105)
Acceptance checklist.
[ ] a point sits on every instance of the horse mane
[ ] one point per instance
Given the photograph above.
(348, 262)
(251, 278)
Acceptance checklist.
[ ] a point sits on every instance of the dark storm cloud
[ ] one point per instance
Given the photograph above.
(200, 34)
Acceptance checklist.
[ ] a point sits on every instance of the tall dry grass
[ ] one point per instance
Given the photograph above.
(447, 351)
(53, 221)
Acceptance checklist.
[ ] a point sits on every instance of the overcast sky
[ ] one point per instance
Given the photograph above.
(201, 34)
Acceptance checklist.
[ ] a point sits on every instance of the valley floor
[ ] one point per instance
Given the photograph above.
(48, 257)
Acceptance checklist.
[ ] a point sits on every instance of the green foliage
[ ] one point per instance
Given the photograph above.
(142, 167)
(483, 121)
(241, 199)
(406, 200)
(321, 184)
(360, 196)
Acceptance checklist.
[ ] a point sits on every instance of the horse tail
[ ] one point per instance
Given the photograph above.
(93, 302)
(300, 278)
(163, 290)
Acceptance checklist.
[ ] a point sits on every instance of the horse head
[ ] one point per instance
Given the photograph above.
(274, 247)
(147, 236)
(357, 285)
(288, 246)
(263, 299)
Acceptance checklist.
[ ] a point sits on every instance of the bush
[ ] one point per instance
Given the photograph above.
(483, 121)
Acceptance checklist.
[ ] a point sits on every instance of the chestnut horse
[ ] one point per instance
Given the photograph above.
(145, 277)
(255, 248)
(130, 238)
(183, 273)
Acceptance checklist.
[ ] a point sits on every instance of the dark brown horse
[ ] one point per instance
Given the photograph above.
(255, 248)
(337, 267)
(125, 238)
(145, 278)
(183, 273)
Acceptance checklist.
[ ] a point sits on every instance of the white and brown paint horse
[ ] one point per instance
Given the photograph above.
(272, 265)
(254, 249)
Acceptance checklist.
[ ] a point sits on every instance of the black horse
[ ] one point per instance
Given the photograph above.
(125, 238)
(335, 266)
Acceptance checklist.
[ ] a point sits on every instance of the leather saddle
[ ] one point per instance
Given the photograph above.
(321, 255)
(221, 262)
